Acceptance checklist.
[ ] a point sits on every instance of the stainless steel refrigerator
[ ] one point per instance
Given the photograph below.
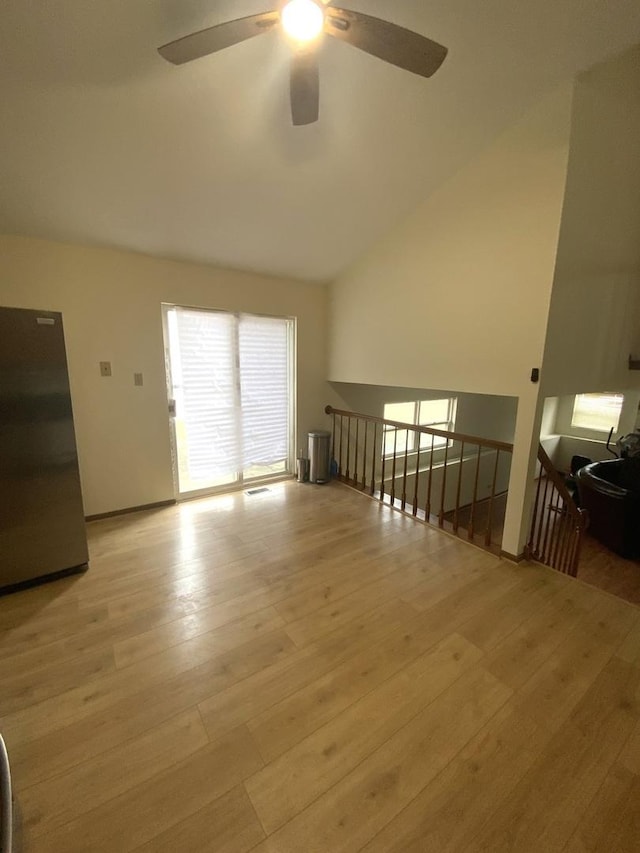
(42, 528)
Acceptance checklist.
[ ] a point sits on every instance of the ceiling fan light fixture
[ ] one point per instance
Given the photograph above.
(302, 20)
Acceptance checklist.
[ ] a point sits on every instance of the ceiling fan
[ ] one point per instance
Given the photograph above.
(304, 22)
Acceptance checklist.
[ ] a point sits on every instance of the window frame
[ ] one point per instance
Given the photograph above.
(414, 438)
(594, 431)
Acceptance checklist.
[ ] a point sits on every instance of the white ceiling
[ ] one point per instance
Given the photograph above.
(103, 142)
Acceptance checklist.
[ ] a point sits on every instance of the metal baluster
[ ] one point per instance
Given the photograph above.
(571, 549)
(457, 509)
(566, 539)
(393, 470)
(404, 476)
(534, 520)
(427, 506)
(489, 533)
(355, 469)
(548, 530)
(444, 485)
(556, 535)
(333, 437)
(470, 531)
(364, 457)
(384, 460)
(540, 537)
(563, 527)
(415, 490)
(582, 523)
(373, 459)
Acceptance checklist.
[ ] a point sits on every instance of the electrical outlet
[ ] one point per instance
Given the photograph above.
(137, 379)
(105, 368)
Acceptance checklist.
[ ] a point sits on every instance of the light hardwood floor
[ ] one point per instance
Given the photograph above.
(602, 568)
(307, 670)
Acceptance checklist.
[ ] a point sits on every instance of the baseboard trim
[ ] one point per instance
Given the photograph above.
(513, 558)
(42, 579)
(130, 509)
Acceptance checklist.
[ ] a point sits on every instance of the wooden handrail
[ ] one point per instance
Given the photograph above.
(453, 436)
(449, 491)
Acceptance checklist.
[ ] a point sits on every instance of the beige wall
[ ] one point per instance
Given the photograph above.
(110, 301)
(594, 322)
(457, 295)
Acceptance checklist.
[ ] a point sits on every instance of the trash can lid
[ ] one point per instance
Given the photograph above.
(320, 433)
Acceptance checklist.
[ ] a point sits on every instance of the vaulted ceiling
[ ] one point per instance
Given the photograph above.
(102, 142)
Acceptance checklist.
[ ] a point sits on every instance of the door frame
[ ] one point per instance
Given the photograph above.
(241, 483)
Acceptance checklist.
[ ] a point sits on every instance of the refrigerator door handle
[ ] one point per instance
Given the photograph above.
(6, 806)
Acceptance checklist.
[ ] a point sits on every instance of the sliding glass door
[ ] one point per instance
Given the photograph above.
(231, 390)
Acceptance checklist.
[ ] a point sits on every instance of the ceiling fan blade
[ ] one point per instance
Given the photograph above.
(387, 41)
(305, 86)
(217, 38)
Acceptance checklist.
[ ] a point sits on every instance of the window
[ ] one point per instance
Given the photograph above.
(437, 414)
(599, 412)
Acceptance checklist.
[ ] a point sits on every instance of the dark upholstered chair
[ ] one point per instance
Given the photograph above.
(610, 492)
(577, 462)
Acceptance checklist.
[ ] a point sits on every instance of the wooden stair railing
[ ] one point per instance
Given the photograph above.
(558, 524)
(445, 478)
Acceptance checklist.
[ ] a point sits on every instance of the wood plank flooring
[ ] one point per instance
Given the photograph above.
(307, 670)
(615, 574)
(598, 566)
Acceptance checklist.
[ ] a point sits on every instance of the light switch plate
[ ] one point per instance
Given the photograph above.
(137, 379)
(105, 368)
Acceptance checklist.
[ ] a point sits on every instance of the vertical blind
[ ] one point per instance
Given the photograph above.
(231, 375)
(264, 386)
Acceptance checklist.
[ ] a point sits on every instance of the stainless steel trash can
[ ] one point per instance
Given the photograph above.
(319, 456)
